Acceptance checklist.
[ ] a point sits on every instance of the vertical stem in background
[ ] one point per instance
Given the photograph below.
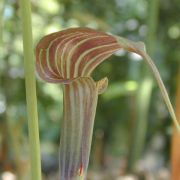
(30, 83)
(144, 92)
(1, 21)
(175, 154)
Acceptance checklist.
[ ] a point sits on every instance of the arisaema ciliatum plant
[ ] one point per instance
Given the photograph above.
(69, 57)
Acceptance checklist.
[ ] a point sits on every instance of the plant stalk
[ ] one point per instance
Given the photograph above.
(30, 85)
(1, 21)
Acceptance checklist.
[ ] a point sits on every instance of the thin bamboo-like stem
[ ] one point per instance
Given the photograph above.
(1, 21)
(30, 83)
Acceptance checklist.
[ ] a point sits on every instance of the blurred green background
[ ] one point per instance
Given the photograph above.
(133, 129)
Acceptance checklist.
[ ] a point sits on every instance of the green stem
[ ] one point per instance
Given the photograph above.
(30, 83)
(1, 21)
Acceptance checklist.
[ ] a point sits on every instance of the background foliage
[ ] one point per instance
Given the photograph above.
(116, 112)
